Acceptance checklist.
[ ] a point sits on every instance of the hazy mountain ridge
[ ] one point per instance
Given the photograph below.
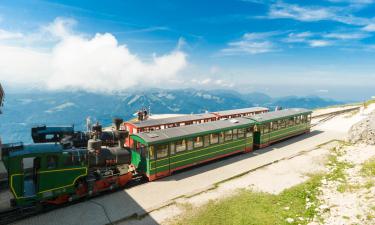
(23, 110)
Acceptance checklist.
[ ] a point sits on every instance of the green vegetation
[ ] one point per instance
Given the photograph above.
(248, 207)
(368, 168)
(369, 102)
(337, 169)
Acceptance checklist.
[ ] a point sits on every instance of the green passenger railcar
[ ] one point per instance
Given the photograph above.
(278, 125)
(157, 154)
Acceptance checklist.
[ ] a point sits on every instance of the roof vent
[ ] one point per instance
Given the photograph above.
(152, 135)
(234, 121)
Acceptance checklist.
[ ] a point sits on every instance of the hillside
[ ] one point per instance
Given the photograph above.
(23, 110)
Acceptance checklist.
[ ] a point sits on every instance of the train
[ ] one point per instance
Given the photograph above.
(54, 173)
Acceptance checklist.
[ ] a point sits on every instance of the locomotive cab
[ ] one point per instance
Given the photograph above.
(43, 172)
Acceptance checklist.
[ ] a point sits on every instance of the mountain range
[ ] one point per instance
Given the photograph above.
(24, 110)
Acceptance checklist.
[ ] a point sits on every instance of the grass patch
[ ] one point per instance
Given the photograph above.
(368, 168)
(369, 102)
(248, 207)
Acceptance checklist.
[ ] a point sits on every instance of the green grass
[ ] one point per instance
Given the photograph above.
(248, 207)
(368, 168)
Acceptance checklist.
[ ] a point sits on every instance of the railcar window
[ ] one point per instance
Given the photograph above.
(283, 123)
(161, 151)
(241, 133)
(180, 145)
(189, 144)
(198, 142)
(51, 161)
(275, 126)
(235, 134)
(297, 120)
(214, 138)
(151, 152)
(228, 135)
(206, 140)
(291, 122)
(249, 133)
(172, 148)
(309, 118)
(266, 128)
(221, 137)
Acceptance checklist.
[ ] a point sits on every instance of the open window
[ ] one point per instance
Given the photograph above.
(161, 151)
(180, 145)
(198, 142)
(214, 138)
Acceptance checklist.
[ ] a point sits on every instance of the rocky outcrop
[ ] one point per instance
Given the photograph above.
(363, 131)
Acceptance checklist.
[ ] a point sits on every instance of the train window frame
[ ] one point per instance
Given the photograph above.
(206, 140)
(275, 126)
(189, 144)
(228, 135)
(241, 133)
(248, 132)
(266, 128)
(54, 164)
(181, 147)
(151, 152)
(216, 135)
(291, 122)
(172, 148)
(198, 142)
(164, 150)
(235, 134)
(221, 137)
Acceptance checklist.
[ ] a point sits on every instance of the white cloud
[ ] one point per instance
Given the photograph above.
(96, 63)
(251, 43)
(370, 27)
(346, 36)
(298, 37)
(343, 14)
(319, 43)
(292, 11)
(7, 35)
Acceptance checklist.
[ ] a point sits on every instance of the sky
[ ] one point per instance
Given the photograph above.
(324, 48)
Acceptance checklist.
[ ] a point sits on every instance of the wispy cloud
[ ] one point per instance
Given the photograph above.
(8, 35)
(251, 43)
(319, 43)
(324, 39)
(342, 14)
(293, 11)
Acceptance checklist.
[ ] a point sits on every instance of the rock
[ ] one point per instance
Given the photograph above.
(363, 131)
(289, 220)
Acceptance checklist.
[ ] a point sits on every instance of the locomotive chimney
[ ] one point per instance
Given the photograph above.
(117, 123)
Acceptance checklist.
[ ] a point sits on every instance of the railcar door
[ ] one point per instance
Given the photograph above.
(31, 166)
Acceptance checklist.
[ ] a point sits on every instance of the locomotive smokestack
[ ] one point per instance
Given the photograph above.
(117, 123)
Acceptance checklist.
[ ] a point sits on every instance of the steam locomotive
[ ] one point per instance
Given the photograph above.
(64, 165)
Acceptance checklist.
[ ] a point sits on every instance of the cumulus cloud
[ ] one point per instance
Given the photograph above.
(75, 61)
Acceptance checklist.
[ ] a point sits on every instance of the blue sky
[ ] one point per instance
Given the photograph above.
(324, 48)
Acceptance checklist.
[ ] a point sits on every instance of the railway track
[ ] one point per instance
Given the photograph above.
(330, 115)
(13, 215)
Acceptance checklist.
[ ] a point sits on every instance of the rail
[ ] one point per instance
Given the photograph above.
(341, 111)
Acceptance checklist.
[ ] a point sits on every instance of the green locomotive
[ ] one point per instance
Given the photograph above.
(57, 173)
